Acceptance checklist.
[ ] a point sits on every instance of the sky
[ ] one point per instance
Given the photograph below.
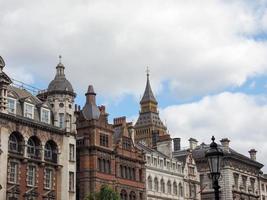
(207, 60)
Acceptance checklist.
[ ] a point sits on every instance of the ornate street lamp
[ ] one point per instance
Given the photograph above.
(214, 156)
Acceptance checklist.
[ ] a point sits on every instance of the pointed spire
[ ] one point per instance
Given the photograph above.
(148, 94)
(60, 67)
(90, 95)
(2, 64)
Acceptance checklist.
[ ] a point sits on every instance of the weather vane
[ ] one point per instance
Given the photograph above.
(60, 57)
(147, 71)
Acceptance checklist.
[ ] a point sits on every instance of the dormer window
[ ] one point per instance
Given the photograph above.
(28, 110)
(11, 105)
(45, 115)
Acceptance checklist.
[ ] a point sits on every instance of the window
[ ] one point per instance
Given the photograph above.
(161, 163)
(28, 110)
(156, 184)
(31, 178)
(61, 120)
(71, 181)
(162, 186)
(33, 148)
(104, 140)
(191, 170)
(192, 190)
(175, 188)
(126, 143)
(45, 115)
(252, 183)
(140, 175)
(71, 152)
(104, 166)
(48, 151)
(48, 178)
(13, 143)
(169, 187)
(149, 183)
(11, 105)
(236, 176)
(13, 172)
(244, 182)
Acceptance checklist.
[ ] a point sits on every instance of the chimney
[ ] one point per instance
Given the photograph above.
(119, 120)
(252, 153)
(225, 143)
(193, 143)
(176, 144)
(90, 95)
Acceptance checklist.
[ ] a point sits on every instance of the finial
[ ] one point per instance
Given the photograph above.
(147, 71)
(59, 57)
(213, 138)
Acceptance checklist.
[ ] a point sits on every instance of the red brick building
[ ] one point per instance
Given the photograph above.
(106, 153)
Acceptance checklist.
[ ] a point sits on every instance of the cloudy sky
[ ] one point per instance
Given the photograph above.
(207, 59)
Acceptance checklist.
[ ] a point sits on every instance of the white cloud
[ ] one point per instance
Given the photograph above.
(198, 46)
(239, 117)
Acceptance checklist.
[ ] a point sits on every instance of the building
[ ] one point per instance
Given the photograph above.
(192, 188)
(37, 157)
(239, 174)
(107, 154)
(164, 175)
(263, 186)
(149, 121)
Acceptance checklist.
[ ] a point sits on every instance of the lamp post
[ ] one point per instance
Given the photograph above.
(214, 156)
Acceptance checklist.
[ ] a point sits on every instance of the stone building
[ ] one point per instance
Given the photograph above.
(149, 121)
(263, 186)
(106, 153)
(164, 175)
(37, 157)
(192, 188)
(240, 174)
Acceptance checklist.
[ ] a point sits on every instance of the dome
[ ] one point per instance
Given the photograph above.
(60, 83)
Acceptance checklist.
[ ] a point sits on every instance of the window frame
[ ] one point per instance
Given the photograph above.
(15, 105)
(15, 177)
(71, 152)
(48, 186)
(31, 183)
(71, 181)
(24, 110)
(42, 114)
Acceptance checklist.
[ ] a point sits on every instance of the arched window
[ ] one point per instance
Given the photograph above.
(169, 187)
(123, 195)
(181, 192)
(50, 151)
(33, 149)
(162, 186)
(175, 188)
(149, 182)
(156, 184)
(132, 196)
(15, 143)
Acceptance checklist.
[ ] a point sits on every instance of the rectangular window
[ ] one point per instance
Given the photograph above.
(45, 115)
(48, 178)
(61, 120)
(72, 152)
(104, 140)
(28, 110)
(31, 179)
(191, 170)
(13, 172)
(71, 181)
(11, 105)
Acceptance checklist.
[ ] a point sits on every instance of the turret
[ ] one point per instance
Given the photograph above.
(5, 81)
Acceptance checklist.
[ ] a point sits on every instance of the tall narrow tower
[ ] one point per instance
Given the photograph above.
(60, 95)
(4, 82)
(149, 124)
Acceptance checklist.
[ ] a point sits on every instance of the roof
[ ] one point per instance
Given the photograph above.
(90, 110)
(60, 83)
(149, 118)
(199, 153)
(149, 150)
(148, 94)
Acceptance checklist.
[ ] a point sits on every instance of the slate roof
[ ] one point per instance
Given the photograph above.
(148, 94)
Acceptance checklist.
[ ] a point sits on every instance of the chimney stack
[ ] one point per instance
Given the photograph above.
(176, 144)
(252, 153)
(193, 143)
(225, 143)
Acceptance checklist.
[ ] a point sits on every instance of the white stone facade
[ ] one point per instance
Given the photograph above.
(166, 172)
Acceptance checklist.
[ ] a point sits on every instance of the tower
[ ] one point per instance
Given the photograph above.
(149, 126)
(4, 82)
(60, 96)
